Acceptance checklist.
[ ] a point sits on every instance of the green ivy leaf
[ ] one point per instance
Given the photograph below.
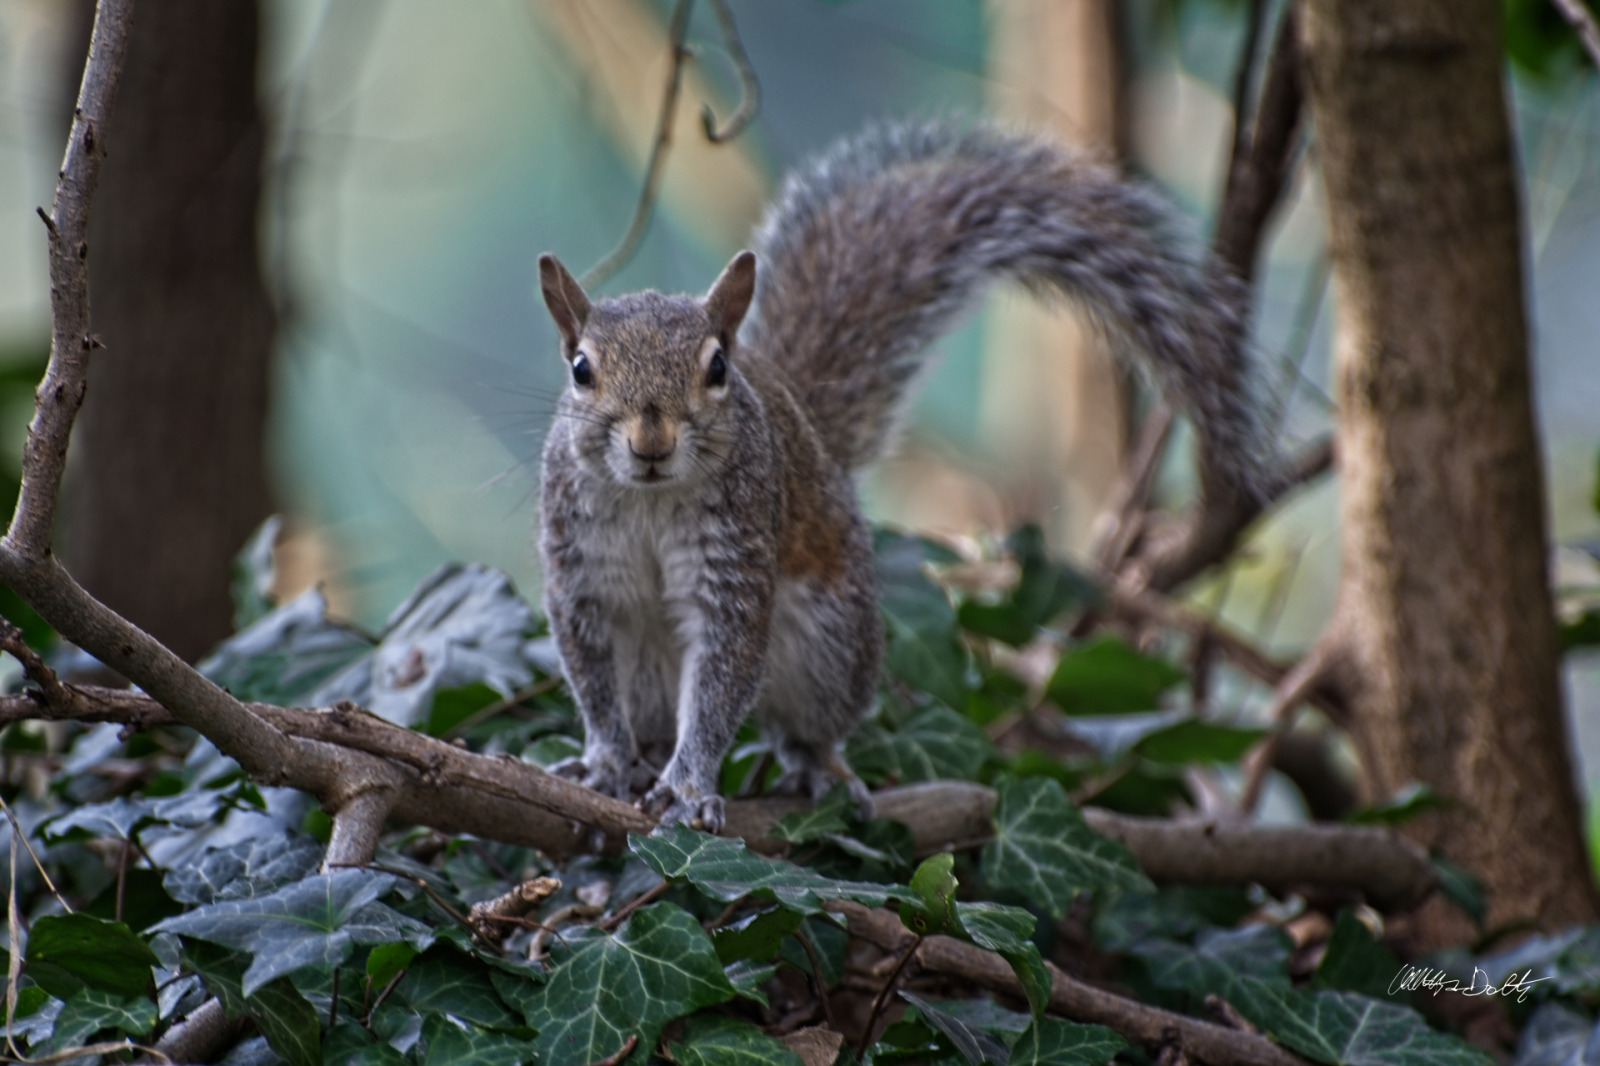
(755, 936)
(935, 744)
(1105, 676)
(726, 870)
(1462, 887)
(449, 1042)
(443, 981)
(69, 952)
(1045, 851)
(1409, 802)
(1193, 741)
(249, 868)
(89, 1011)
(606, 987)
(313, 922)
(1053, 1042)
(934, 910)
(289, 1023)
(974, 1044)
(386, 960)
(830, 814)
(1219, 961)
(1346, 1029)
(748, 977)
(924, 648)
(1355, 961)
(713, 1040)
(350, 1044)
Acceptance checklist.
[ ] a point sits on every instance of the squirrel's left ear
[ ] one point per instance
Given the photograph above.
(731, 293)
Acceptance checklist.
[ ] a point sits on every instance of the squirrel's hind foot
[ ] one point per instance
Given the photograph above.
(815, 781)
(605, 776)
(684, 805)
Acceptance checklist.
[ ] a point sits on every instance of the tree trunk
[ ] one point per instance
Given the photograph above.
(1445, 623)
(168, 473)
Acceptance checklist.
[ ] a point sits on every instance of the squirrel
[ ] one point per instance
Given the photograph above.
(704, 552)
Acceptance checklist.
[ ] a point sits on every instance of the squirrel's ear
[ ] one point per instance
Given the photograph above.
(731, 293)
(565, 298)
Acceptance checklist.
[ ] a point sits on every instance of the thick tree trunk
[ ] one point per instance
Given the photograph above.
(168, 475)
(1445, 620)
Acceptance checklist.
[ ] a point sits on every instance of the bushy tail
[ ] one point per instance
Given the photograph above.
(871, 250)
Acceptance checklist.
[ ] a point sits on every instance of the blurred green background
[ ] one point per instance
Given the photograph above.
(423, 153)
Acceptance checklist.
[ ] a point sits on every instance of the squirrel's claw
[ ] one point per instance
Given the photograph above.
(684, 805)
(601, 775)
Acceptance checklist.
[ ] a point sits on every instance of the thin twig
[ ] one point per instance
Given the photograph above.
(16, 831)
(883, 997)
(749, 84)
(1583, 22)
(634, 904)
(816, 975)
(1295, 687)
(619, 256)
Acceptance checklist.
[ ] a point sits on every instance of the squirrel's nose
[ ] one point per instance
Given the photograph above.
(655, 451)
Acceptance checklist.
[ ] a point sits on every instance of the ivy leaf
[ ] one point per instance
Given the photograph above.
(1462, 887)
(974, 1045)
(1410, 802)
(934, 910)
(1053, 1042)
(828, 815)
(249, 868)
(1044, 850)
(984, 1014)
(88, 1011)
(284, 655)
(124, 818)
(1006, 931)
(935, 743)
(1346, 1029)
(923, 646)
(1193, 741)
(755, 936)
(1355, 960)
(69, 952)
(386, 960)
(37, 1011)
(254, 574)
(1219, 962)
(443, 981)
(726, 870)
(1105, 676)
(830, 942)
(604, 988)
(450, 1042)
(289, 1023)
(713, 1040)
(748, 978)
(313, 922)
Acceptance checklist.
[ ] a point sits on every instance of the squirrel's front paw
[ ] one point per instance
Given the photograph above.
(605, 776)
(684, 805)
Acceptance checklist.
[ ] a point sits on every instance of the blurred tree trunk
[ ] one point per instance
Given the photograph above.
(1055, 404)
(1445, 618)
(168, 473)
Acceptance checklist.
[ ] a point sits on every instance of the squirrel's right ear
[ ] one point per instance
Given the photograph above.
(566, 300)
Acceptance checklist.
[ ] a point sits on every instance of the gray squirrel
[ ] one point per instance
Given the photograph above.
(705, 555)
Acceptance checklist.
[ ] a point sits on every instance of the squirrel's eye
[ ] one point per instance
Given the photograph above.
(716, 371)
(582, 376)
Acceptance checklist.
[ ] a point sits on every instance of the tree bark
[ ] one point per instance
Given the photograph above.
(1445, 623)
(168, 472)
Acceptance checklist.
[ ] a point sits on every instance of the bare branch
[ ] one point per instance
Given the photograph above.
(1071, 998)
(503, 799)
(61, 393)
(618, 257)
(1583, 22)
(749, 84)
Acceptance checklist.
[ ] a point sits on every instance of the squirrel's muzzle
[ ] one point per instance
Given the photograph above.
(651, 439)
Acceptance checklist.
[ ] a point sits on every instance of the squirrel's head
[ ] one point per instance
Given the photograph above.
(650, 378)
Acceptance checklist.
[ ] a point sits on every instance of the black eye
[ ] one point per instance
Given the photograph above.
(582, 376)
(717, 371)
